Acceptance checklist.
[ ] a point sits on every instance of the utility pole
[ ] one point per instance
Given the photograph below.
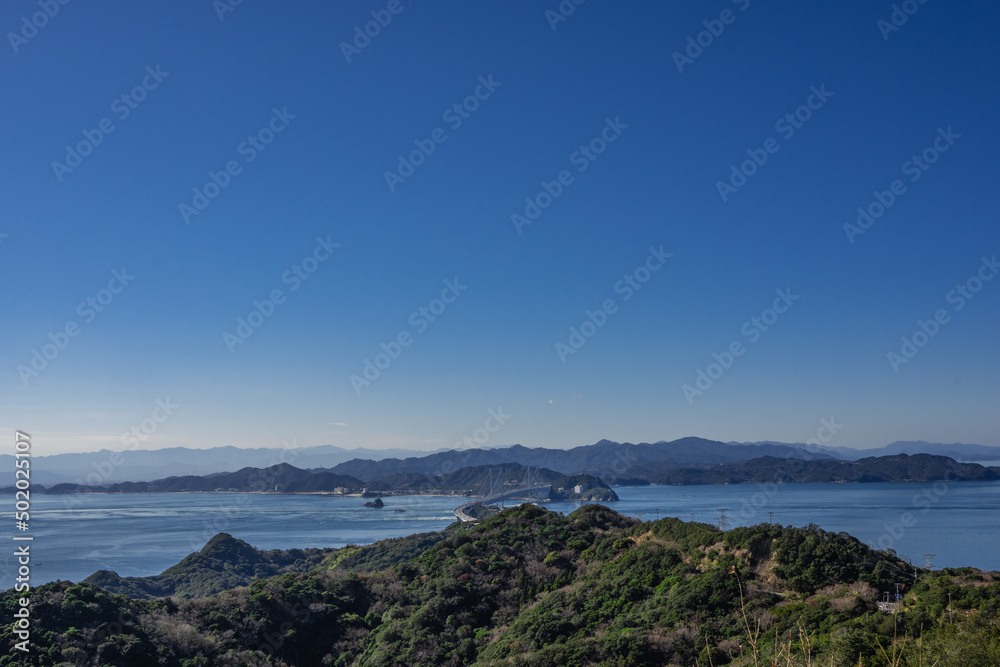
(770, 518)
(951, 612)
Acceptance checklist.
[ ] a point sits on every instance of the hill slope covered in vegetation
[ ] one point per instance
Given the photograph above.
(895, 468)
(533, 587)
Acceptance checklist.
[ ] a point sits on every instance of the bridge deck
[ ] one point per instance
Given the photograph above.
(460, 510)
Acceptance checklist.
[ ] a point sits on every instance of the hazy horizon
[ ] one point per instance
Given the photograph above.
(461, 446)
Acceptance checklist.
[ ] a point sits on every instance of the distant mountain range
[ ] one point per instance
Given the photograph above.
(282, 477)
(591, 471)
(105, 466)
(957, 451)
(606, 459)
(611, 461)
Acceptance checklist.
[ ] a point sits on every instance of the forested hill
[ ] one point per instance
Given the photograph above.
(281, 477)
(532, 587)
(225, 563)
(285, 478)
(898, 468)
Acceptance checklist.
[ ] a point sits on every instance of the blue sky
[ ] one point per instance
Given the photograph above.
(212, 86)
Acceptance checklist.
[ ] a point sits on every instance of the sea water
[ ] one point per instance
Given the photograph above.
(144, 534)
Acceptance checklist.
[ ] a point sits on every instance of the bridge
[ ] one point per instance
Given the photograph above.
(530, 487)
(541, 491)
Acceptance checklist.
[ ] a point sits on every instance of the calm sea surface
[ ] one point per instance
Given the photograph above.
(143, 534)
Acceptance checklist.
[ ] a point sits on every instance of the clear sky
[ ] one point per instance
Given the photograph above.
(636, 133)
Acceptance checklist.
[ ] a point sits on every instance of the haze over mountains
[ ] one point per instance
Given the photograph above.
(613, 461)
(145, 465)
(957, 451)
